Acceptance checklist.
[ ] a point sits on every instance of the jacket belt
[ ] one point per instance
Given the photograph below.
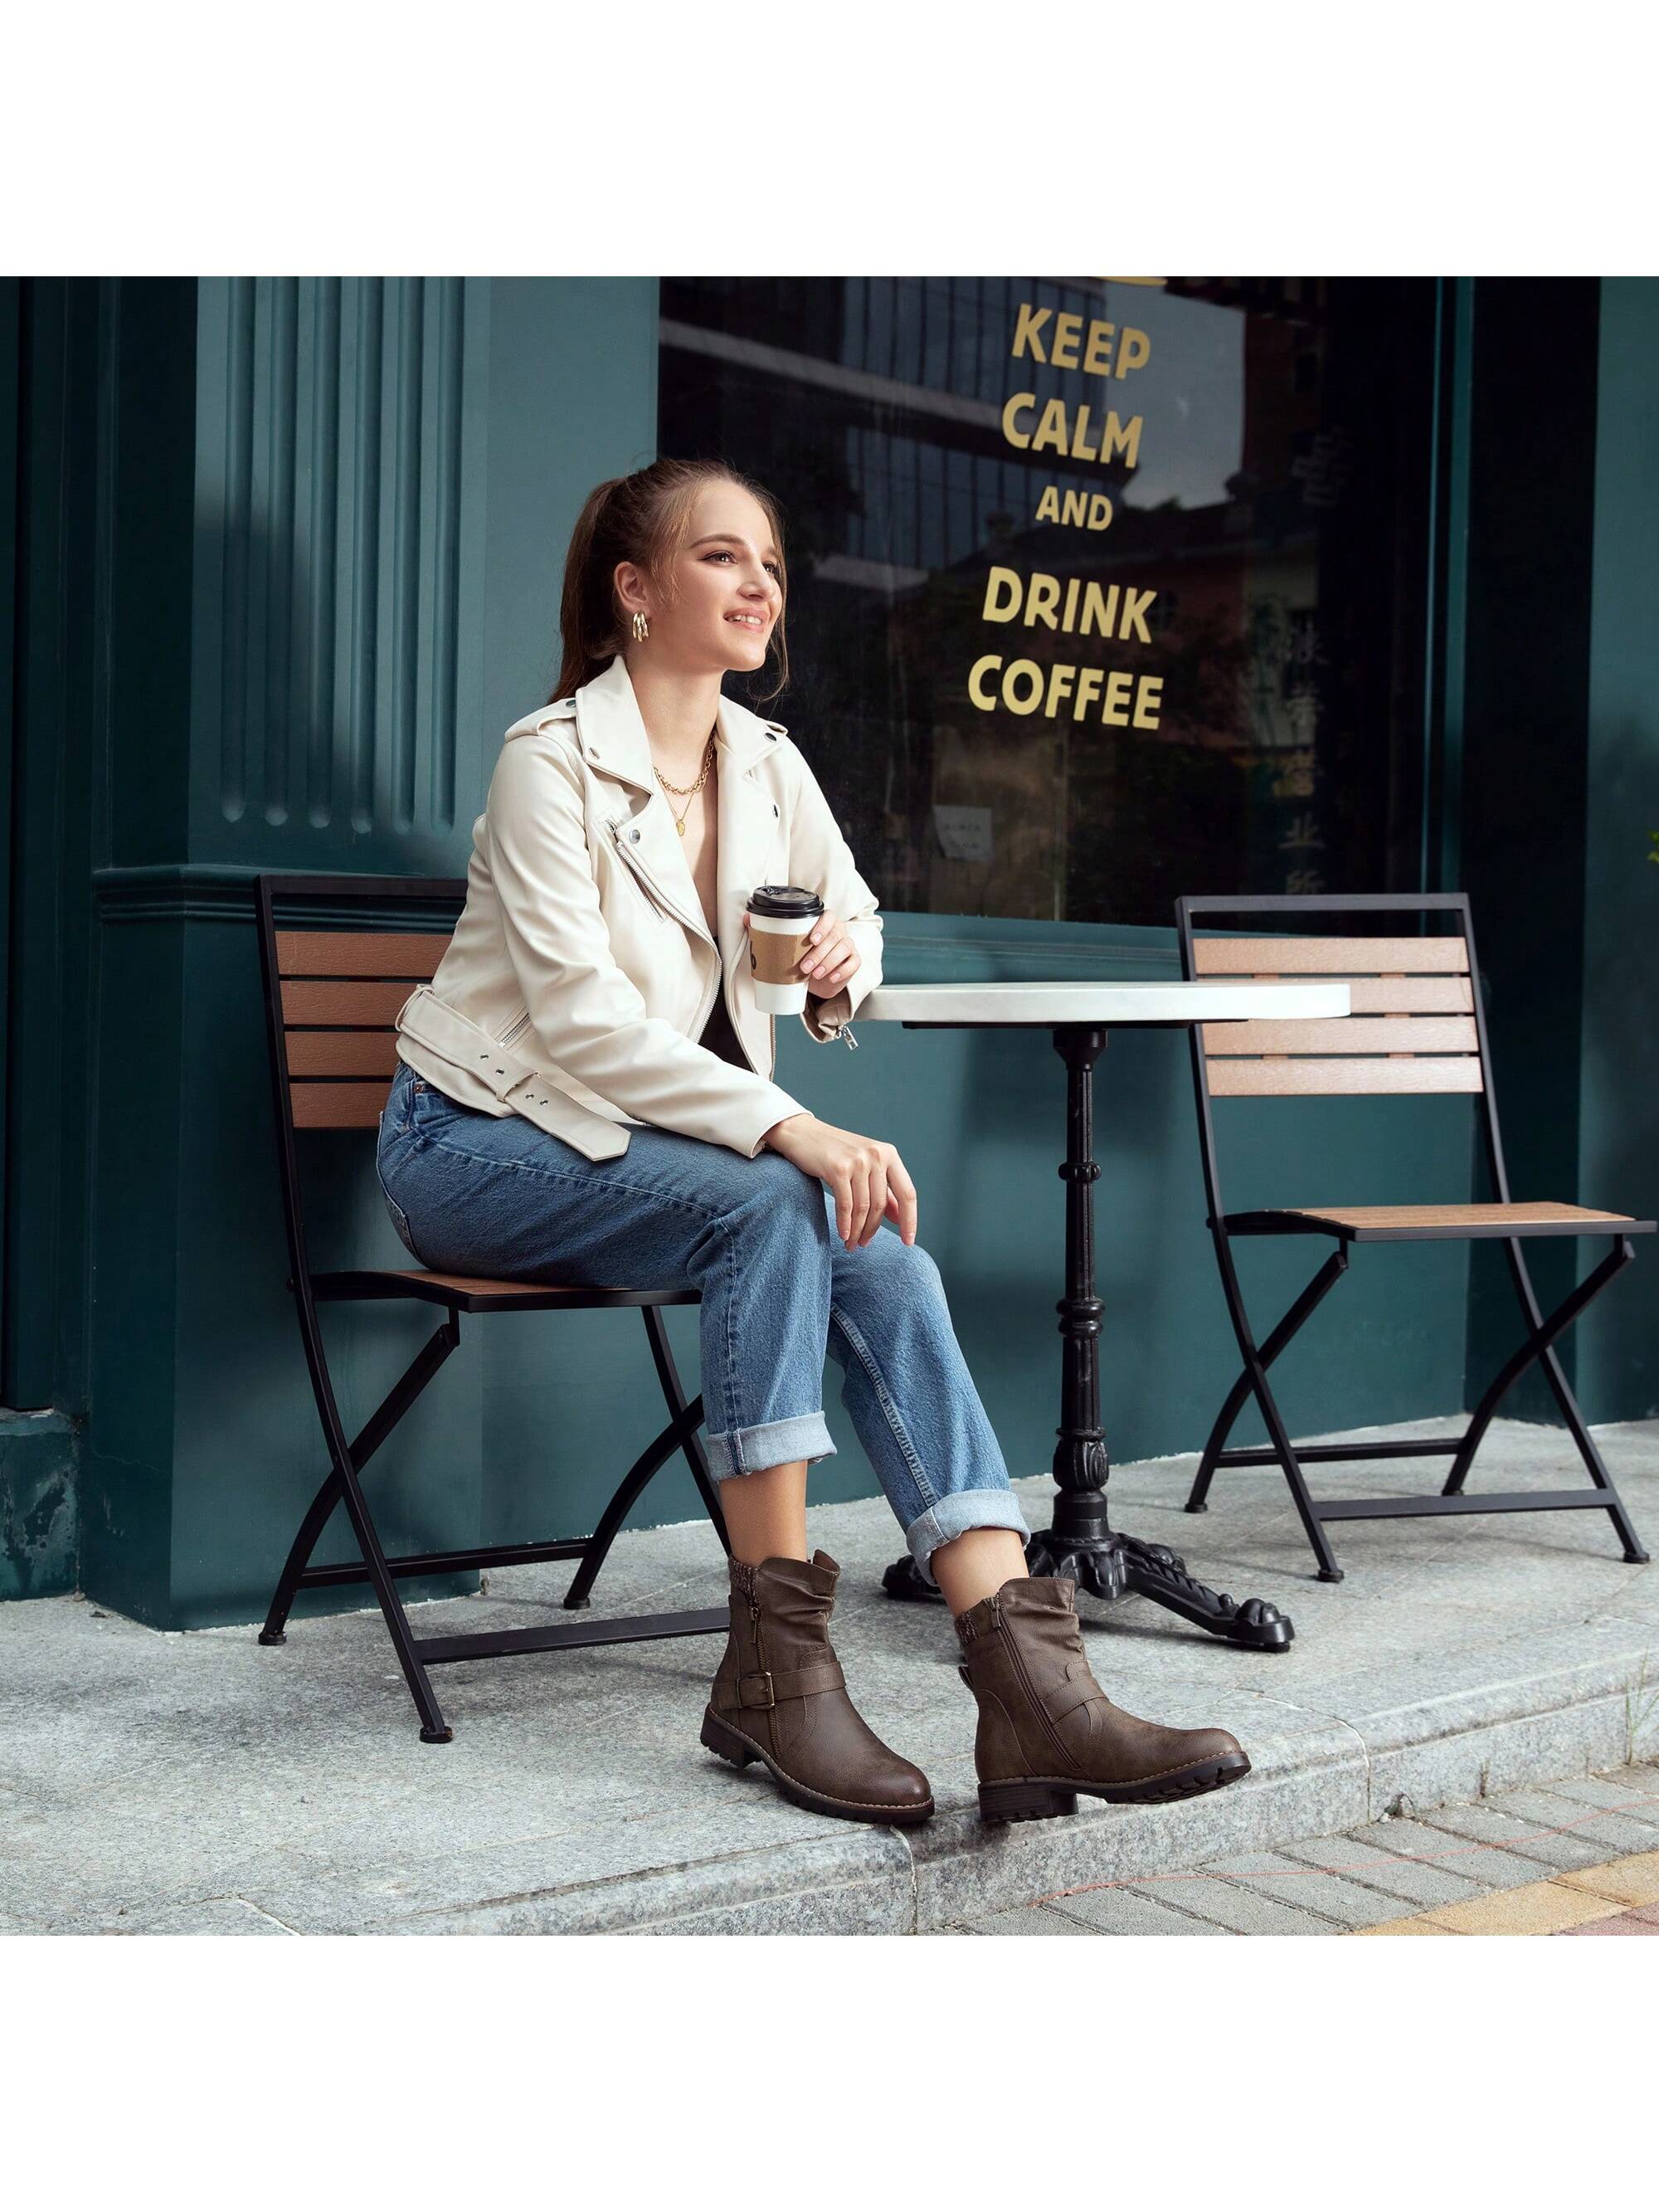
(520, 1086)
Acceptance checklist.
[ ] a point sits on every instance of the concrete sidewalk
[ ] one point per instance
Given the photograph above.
(154, 1783)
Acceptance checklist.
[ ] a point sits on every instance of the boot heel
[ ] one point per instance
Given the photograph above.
(1023, 1801)
(725, 1742)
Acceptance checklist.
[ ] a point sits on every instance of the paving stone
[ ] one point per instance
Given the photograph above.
(1538, 1908)
(1477, 1862)
(1229, 1904)
(1375, 1865)
(1622, 1924)
(1117, 1911)
(1634, 1881)
(1635, 1794)
(1296, 1883)
(1418, 1927)
(1509, 1831)
(1609, 1833)
(1036, 1920)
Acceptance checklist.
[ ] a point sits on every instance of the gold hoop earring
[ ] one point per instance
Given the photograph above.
(641, 630)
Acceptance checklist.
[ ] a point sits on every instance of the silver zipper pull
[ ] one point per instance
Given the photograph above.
(846, 1037)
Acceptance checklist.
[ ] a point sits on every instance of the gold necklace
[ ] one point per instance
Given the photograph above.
(687, 791)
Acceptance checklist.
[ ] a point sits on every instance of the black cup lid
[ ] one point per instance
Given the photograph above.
(785, 901)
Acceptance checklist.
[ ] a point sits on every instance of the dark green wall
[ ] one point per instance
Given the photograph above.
(292, 564)
(1619, 1068)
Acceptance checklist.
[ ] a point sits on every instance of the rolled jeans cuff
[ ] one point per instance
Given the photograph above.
(745, 1452)
(957, 1512)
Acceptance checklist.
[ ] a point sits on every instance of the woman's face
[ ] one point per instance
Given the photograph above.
(727, 593)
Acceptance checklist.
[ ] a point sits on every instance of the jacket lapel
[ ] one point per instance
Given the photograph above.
(614, 742)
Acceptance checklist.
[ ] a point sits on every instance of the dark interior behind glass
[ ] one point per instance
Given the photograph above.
(1270, 538)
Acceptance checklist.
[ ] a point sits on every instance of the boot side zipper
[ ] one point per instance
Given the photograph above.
(1048, 1728)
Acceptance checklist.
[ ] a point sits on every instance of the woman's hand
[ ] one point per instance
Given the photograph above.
(830, 956)
(867, 1176)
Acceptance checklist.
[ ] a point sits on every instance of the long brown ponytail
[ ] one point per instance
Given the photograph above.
(643, 518)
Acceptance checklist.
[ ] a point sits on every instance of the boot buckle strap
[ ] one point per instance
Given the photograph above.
(760, 1692)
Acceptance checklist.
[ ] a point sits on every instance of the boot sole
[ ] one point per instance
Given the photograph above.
(1046, 1797)
(725, 1743)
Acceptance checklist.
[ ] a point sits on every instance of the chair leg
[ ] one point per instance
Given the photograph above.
(1538, 1345)
(1335, 1266)
(661, 1448)
(379, 1426)
(695, 1458)
(433, 1729)
(317, 1518)
(1255, 1373)
(343, 1477)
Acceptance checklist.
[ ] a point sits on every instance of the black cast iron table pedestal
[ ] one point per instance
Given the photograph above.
(1081, 1541)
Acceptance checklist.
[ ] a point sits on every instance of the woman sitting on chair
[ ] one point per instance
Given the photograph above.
(602, 946)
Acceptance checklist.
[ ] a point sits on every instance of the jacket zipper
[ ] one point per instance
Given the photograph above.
(1048, 1728)
(658, 902)
(514, 1031)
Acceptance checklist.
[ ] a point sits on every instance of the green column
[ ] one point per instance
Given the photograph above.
(336, 569)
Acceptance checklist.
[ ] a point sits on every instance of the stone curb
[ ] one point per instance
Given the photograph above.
(1546, 1707)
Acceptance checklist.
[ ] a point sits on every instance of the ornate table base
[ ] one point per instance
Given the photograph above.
(1080, 1541)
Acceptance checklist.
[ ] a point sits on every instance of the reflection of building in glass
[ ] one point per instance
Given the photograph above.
(1270, 516)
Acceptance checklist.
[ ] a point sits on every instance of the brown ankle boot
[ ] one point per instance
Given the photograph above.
(1046, 1729)
(780, 1697)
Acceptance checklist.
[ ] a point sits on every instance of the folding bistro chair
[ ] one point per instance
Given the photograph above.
(332, 994)
(1416, 1025)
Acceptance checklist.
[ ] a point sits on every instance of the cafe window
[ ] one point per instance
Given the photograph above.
(1102, 590)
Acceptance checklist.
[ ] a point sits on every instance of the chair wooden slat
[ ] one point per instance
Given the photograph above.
(1411, 994)
(342, 1052)
(1544, 1213)
(1396, 1033)
(1330, 956)
(414, 954)
(1329, 1079)
(344, 1006)
(337, 1105)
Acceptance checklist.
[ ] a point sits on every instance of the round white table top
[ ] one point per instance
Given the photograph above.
(1046, 1005)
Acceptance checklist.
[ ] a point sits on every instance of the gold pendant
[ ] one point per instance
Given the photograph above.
(680, 826)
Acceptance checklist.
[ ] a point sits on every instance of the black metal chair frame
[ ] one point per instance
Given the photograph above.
(1537, 1346)
(347, 1456)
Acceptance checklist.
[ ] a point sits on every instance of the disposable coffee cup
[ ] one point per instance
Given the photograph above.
(781, 919)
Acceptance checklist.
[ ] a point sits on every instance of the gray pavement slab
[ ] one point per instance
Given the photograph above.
(1546, 1847)
(1370, 1860)
(1116, 1911)
(1294, 1882)
(1029, 1920)
(1485, 1865)
(198, 1779)
(1608, 1834)
(1238, 1907)
(1635, 1795)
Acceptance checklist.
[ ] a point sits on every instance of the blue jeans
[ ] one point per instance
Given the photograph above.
(470, 1194)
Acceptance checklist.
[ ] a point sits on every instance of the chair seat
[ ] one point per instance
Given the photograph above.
(484, 1293)
(1378, 1223)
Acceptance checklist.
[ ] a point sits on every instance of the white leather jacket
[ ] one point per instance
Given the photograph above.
(582, 971)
